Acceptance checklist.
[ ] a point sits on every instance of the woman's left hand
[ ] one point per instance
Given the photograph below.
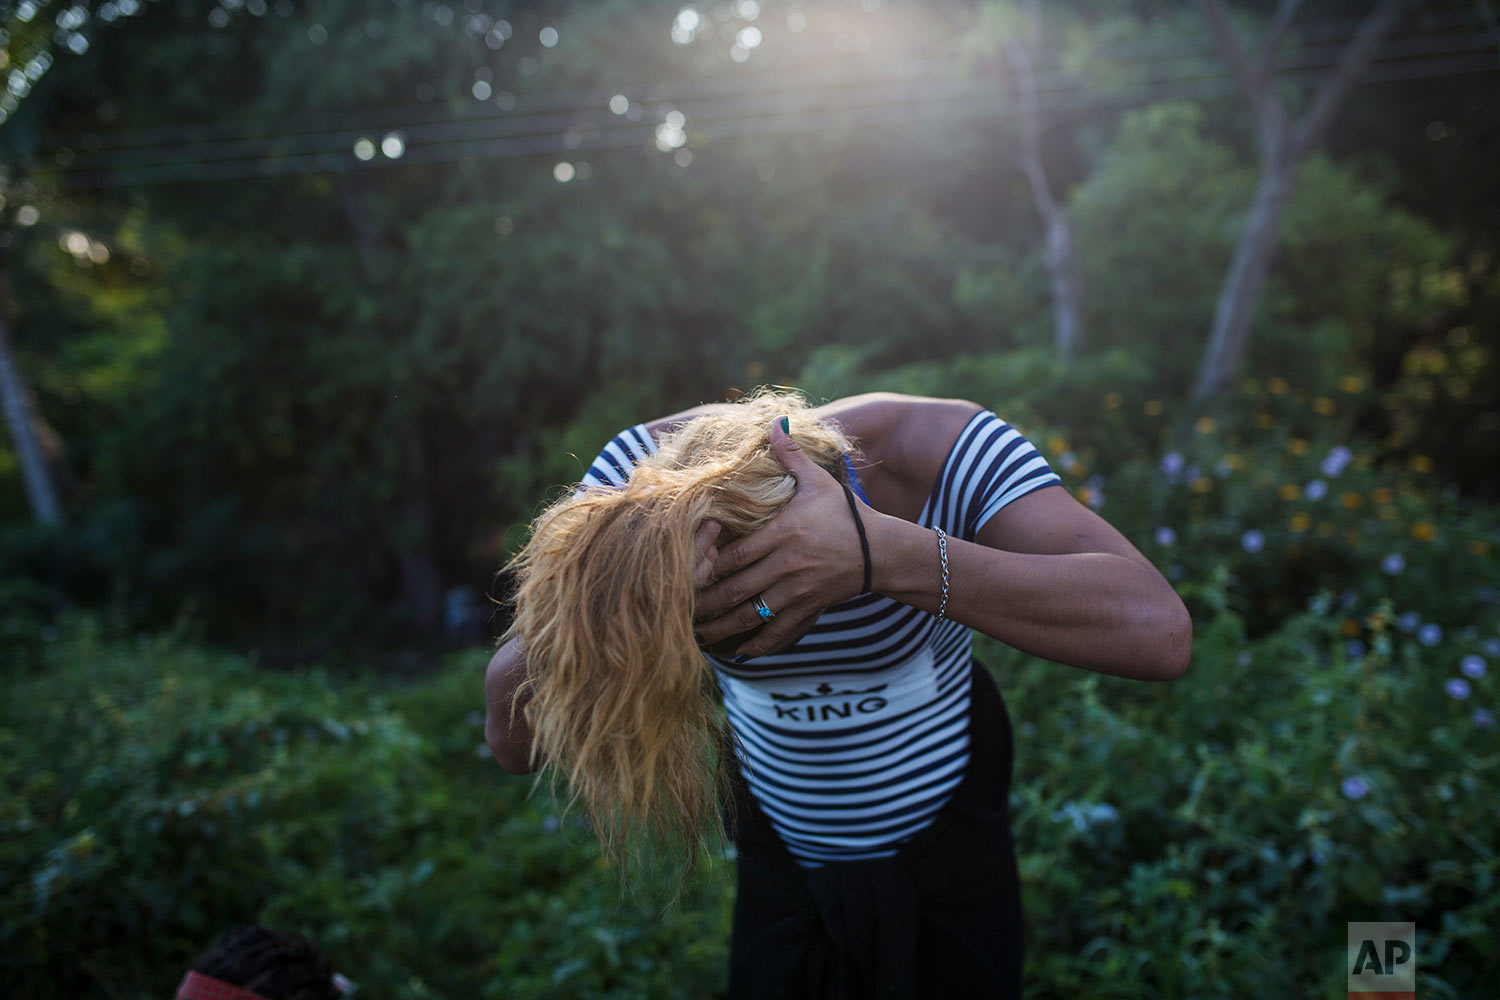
(807, 558)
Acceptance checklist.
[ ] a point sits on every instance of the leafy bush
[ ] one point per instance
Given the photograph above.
(1326, 759)
(155, 795)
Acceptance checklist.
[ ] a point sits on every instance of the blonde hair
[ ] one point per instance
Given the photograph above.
(619, 697)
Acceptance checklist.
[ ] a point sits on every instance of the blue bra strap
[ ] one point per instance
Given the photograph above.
(854, 485)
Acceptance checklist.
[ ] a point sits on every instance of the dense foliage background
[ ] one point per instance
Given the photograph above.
(313, 302)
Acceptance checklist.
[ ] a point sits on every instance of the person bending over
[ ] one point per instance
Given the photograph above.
(766, 607)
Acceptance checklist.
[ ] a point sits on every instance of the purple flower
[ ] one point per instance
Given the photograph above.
(1484, 719)
(1354, 648)
(1171, 464)
(1253, 541)
(1355, 788)
(1165, 535)
(1491, 647)
(1430, 634)
(1472, 666)
(1408, 621)
(1393, 563)
(1336, 461)
(1315, 490)
(1457, 688)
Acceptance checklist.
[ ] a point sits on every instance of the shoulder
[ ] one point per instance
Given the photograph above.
(901, 431)
(903, 442)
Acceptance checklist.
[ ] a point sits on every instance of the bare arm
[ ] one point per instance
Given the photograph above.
(509, 739)
(1047, 576)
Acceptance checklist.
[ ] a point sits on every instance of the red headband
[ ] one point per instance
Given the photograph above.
(197, 986)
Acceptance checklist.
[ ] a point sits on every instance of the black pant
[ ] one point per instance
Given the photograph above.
(942, 917)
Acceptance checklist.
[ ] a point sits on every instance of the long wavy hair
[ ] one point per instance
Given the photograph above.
(620, 700)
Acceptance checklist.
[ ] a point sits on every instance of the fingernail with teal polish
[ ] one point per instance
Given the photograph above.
(741, 658)
(786, 426)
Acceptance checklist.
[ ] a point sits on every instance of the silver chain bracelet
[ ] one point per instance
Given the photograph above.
(943, 560)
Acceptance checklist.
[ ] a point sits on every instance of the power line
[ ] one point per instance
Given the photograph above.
(564, 103)
(957, 104)
(559, 126)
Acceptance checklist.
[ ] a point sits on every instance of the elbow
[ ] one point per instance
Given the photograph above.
(515, 757)
(1176, 644)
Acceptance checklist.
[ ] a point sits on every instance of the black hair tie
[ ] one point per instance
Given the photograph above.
(864, 540)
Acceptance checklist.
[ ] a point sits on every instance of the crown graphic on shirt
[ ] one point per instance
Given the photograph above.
(824, 691)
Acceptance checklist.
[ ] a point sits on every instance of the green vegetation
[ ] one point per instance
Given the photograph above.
(1328, 756)
(316, 301)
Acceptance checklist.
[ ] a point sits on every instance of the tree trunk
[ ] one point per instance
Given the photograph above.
(1068, 326)
(20, 418)
(1235, 311)
(1062, 272)
(1282, 148)
(421, 581)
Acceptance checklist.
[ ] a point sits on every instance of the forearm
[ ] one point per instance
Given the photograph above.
(509, 738)
(1095, 610)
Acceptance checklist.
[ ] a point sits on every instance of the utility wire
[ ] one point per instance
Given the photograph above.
(570, 131)
(974, 99)
(1149, 52)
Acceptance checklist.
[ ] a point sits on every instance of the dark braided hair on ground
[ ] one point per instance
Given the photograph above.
(279, 965)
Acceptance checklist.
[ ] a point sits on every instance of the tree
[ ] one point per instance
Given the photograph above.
(20, 419)
(1062, 270)
(1283, 144)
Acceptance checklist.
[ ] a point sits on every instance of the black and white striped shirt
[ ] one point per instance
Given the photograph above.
(854, 738)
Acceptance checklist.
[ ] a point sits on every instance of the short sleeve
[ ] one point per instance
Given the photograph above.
(991, 465)
(619, 457)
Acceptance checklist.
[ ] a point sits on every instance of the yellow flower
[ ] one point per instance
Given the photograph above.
(1479, 548)
(1353, 501)
(1351, 383)
(1265, 421)
(1058, 445)
(1080, 470)
(1234, 461)
(1421, 463)
(1383, 494)
(1424, 531)
(1349, 628)
(1323, 405)
(1289, 491)
(1277, 386)
(1084, 494)
(1326, 529)
(1386, 513)
(1153, 407)
(1204, 425)
(1113, 400)
(1300, 522)
(1376, 622)
(1201, 485)
(1297, 446)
